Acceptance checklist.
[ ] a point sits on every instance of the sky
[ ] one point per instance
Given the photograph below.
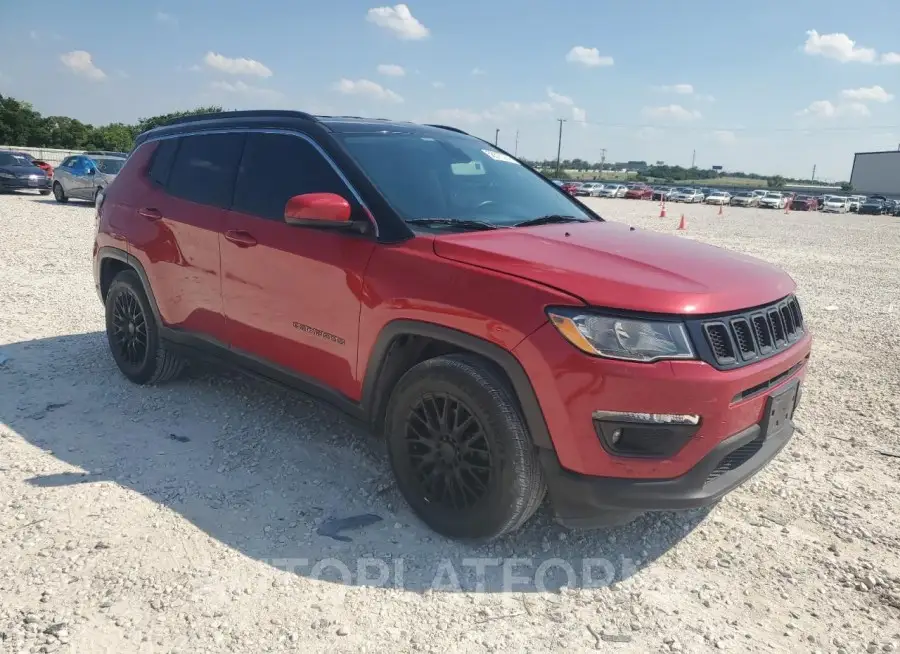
(773, 87)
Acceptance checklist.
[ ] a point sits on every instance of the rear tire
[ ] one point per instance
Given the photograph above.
(59, 193)
(133, 334)
(460, 451)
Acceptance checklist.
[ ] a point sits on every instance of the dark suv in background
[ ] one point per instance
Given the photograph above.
(506, 340)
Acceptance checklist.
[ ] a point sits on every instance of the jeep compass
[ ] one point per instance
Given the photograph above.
(507, 342)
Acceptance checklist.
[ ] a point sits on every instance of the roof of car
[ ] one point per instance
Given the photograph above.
(273, 117)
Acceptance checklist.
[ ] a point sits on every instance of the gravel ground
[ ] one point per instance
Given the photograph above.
(196, 517)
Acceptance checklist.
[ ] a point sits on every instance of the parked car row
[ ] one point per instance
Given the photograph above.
(82, 176)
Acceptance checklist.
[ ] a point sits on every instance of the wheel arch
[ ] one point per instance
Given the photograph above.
(111, 261)
(404, 343)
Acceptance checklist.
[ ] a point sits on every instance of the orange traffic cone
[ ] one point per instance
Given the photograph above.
(662, 211)
(721, 213)
(682, 225)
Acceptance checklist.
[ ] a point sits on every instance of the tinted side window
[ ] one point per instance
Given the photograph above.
(163, 157)
(277, 167)
(67, 162)
(205, 167)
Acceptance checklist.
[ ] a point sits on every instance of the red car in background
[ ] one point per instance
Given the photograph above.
(639, 192)
(43, 165)
(804, 203)
(570, 187)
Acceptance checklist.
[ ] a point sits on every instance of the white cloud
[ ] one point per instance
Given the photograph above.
(81, 63)
(865, 94)
(498, 113)
(890, 58)
(399, 20)
(724, 136)
(579, 115)
(391, 70)
(438, 85)
(163, 17)
(236, 66)
(680, 89)
(827, 109)
(368, 89)
(587, 57)
(675, 111)
(838, 46)
(559, 99)
(478, 71)
(242, 88)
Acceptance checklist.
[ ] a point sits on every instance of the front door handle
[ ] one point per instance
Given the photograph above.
(240, 238)
(150, 213)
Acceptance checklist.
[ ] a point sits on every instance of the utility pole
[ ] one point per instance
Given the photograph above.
(813, 178)
(496, 135)
(559, 144)
(516, 151)
(693, 158)
(602, 161)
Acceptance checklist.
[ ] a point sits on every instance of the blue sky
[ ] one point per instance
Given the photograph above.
(770, 86)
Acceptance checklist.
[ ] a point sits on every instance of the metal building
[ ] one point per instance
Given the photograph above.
(876, 173)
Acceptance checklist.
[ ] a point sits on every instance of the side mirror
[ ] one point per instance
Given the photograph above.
(318, 209)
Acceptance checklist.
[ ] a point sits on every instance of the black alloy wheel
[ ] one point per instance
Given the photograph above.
(130, 329)
(448, 451)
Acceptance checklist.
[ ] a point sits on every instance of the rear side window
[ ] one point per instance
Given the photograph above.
(67, 162)
(163, 157)
(205, 167)
(276, 167)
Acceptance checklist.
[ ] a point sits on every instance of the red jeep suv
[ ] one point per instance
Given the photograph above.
(505, 340)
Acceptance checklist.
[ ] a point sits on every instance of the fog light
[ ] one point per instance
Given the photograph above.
(648, 418)
(648, 435)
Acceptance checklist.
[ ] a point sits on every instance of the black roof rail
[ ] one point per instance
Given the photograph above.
(250, 113)
(452, 129)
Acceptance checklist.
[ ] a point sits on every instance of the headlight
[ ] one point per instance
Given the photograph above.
(7, 175)
(622, 338)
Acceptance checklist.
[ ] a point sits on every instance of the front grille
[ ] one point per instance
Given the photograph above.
(742, 338)
(735, 459)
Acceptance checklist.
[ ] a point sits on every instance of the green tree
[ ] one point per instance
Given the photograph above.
(846, 187)
(155, 121)
(776, 181)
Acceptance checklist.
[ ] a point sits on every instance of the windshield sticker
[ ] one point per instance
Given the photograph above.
(499, 156)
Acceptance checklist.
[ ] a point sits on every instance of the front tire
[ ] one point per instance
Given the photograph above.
(59, 193)
(133, 334)
(460, 451)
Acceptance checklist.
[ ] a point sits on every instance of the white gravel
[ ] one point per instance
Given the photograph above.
(159, 519)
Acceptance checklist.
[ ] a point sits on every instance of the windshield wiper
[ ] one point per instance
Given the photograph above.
(546, 220)
(454, 222)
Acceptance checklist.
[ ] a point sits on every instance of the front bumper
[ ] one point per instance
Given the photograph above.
(25, 183)
(587, 481)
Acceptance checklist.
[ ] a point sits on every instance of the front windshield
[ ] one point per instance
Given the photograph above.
(9, 159)
(457, 177)
(773, 195)
(109, 166)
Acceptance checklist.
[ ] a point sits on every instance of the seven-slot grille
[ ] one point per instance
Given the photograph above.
(745, 337)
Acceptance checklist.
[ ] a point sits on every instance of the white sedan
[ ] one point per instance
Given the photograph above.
(772, 200)
(687, 195)
(613, 191)
(835, 204)
(718, 197)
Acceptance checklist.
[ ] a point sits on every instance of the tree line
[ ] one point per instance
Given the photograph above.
(21, 125)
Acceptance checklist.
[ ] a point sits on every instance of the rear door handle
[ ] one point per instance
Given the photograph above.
(149, 213)
(240, 238)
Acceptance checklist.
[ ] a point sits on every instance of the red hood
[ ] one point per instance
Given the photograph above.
(610, 265)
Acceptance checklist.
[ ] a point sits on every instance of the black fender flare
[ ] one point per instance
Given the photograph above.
(109, 252)
(374, 396)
